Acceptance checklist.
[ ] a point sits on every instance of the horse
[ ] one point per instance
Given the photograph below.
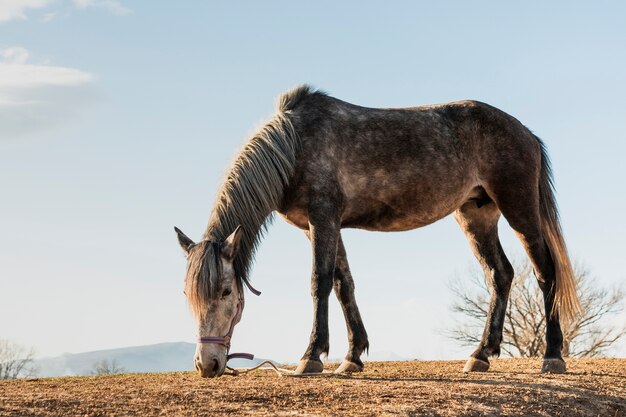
(324, 164)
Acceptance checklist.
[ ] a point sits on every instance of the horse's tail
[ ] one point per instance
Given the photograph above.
(566, 303)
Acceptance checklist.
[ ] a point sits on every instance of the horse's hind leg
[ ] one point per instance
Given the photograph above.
(480, 225)
(525, 221)
(344, 290)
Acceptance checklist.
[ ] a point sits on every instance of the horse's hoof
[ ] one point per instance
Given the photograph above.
(553, 366)
(348, 367)
(476, 365)
(309, 366)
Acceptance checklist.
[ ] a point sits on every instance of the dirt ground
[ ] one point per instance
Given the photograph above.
(592, 387)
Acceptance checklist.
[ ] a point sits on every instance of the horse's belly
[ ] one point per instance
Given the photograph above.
(386, 203)
(384, 207)
(375, 218)
(381, 216)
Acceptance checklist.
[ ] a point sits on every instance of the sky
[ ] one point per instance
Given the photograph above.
(118, 120)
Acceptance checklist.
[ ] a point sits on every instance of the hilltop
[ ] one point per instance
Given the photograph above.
(593, 387)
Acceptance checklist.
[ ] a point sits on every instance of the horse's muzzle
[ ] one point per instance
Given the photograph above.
(209, 368)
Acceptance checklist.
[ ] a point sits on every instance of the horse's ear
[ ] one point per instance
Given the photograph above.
(184, 241)
(231, 244)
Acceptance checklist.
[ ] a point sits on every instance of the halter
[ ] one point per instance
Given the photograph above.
(226, 339)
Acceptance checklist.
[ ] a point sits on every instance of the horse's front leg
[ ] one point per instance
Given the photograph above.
(344, 290)
(324, 225)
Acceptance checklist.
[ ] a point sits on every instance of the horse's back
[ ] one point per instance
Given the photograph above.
(402, 168)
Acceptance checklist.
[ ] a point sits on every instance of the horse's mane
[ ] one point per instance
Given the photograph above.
(252, 190)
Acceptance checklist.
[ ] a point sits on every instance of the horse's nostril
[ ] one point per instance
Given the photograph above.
(216, 365)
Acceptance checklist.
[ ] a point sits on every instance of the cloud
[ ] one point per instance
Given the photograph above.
(16, 9)
(15, 55)
(113, 6)
(38, 97)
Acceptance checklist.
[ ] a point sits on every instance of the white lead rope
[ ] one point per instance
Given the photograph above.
(279, 371)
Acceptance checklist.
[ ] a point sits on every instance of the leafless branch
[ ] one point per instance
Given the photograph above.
(106, 367)
(591, 335)
(16, 361)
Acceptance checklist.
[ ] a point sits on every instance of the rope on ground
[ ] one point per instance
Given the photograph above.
(279, 371)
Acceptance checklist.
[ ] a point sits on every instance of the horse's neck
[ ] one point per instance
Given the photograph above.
(255, 185)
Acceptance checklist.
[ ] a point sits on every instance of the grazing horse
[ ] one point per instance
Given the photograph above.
(324, 164)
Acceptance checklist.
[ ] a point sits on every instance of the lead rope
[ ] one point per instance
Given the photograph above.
(282, 372)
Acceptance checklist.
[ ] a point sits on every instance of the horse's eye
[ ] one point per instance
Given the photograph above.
(226, 292)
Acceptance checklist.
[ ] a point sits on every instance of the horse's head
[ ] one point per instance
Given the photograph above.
(215, 296)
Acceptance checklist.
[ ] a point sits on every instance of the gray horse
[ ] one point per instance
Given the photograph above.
(324, 164)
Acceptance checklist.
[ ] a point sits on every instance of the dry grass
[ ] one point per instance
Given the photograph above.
(593, 387)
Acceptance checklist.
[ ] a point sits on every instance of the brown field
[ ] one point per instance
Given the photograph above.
(593, 387)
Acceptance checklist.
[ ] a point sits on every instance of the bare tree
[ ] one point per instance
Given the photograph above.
(590, 335)
(16, 361)
(106, 367)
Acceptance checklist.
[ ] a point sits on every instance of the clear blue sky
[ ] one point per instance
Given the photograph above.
(118, 120)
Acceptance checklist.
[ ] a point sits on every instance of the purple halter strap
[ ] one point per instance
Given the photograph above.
(226, 339)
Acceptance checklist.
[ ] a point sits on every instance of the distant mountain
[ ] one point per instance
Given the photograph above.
(162, 357)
